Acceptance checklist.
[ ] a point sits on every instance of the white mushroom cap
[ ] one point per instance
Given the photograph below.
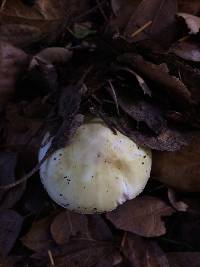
(97, 171)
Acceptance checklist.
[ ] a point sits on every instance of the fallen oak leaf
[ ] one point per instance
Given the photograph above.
(141, 216)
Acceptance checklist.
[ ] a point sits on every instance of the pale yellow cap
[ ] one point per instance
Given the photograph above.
(97, 171)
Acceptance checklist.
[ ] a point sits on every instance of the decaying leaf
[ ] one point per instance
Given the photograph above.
(10, 227)
(68, 224)
(141, 216)
(13, 62)
(187, 50)
(22, 24)
(180, 169)
(193, 22)
(145, 112)
(142, 253)
(86, 257)
(167, 140)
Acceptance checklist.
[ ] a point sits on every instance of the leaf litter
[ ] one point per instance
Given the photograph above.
(134, 64)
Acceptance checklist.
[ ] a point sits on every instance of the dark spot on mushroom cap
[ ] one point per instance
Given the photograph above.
(61, 195)
(54, 158)
(143, 163)
(145, 157)
(60, 154)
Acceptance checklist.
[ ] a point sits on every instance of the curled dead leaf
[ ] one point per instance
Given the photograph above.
(193, 22)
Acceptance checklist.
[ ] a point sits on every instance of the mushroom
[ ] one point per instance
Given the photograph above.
(97, 171)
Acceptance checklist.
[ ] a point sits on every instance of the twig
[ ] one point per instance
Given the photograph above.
(114, 95)
(3, 4)
(184, 38)
(141, 29)
(51, 258)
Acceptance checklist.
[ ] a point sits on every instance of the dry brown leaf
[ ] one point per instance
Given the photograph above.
(167, 140)
(187, 50)
(143, 253)
(10, 227)
(180, 169)
(122, 9)
(13, 62)
(193, 22)
(160, 13)
(183, 259)
(68, 224)
(145, 112)
(86, 257)
(141, 216)
(39, 237)
(22, 24)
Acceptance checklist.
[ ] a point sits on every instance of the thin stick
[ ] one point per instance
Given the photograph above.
(51, 258)
(114, 95)
(141, 29)
(184, 38)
